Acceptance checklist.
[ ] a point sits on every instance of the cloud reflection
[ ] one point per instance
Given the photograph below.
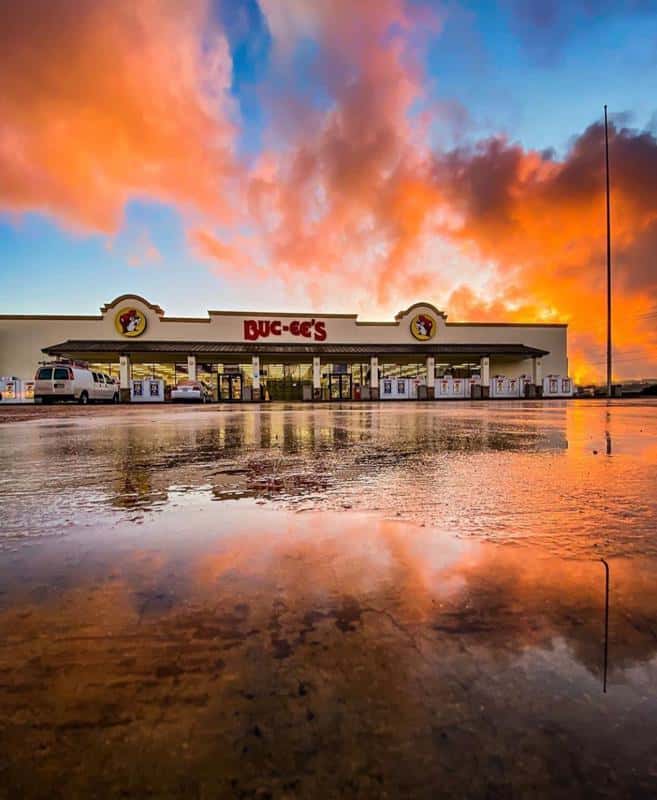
(266, 634)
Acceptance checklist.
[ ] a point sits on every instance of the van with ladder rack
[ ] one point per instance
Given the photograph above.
(73, 380)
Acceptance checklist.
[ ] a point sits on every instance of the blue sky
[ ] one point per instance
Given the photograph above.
(502, 72)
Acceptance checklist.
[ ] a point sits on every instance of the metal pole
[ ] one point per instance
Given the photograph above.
(609, 378)
(606, 646)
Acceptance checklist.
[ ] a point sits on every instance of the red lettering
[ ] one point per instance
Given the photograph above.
(262, 328)
(250, 330)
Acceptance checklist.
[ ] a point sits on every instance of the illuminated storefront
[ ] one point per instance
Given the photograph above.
(267, 356)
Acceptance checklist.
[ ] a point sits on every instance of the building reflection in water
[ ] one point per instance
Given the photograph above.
(171, 627)
(502, 472)
(295, 645)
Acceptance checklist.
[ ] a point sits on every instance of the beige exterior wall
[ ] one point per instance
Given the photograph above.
(21, 340)
(23, 337)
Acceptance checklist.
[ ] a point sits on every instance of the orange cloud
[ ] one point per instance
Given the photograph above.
(345, 203)
(101, 102)
(233, 257)
(542, 222)
(358, 201)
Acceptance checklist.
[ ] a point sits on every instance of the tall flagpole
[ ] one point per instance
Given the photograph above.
(608, 261)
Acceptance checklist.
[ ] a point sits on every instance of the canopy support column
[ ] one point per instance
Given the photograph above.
(485, 377)
(317, 378)
(537, 374)
(255, 367)
(431, 377)
(124, 378)
(191, 368)
(374, 377)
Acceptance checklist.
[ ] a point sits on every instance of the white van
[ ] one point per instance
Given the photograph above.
(73, 381)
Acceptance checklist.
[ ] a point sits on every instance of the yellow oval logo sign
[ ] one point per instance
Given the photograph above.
(423, 327)
(130, 322)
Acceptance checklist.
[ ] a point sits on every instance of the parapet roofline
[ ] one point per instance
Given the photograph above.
(215, 313)
(73, 317)
(124, 298)
(506, 324)
(98, 318)
(401, 314)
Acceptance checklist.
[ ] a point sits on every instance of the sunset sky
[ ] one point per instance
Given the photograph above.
(334, 155)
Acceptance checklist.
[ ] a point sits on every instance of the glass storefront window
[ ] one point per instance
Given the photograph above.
(285, 381)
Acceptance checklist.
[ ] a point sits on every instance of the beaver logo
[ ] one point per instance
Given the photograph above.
(130, 322)
(423, 327)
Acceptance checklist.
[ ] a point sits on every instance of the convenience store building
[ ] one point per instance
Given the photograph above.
(284, 356)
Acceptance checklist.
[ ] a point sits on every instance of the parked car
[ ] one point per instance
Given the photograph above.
(73, 381)
(192, 392)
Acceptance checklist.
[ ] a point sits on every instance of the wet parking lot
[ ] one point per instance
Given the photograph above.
(362, 601)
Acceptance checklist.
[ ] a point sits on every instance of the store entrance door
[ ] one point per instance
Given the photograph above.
(230, 388)
(339, 386)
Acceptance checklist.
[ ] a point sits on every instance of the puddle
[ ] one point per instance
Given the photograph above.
(432, 624)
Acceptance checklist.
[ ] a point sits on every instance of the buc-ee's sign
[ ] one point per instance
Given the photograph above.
(306, 328)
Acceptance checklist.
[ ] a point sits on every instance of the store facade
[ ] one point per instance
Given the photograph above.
(259, 356)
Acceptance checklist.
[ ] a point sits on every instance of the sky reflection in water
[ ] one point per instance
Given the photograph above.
(241, 648)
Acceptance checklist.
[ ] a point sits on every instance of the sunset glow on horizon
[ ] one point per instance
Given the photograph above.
(336, 156)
